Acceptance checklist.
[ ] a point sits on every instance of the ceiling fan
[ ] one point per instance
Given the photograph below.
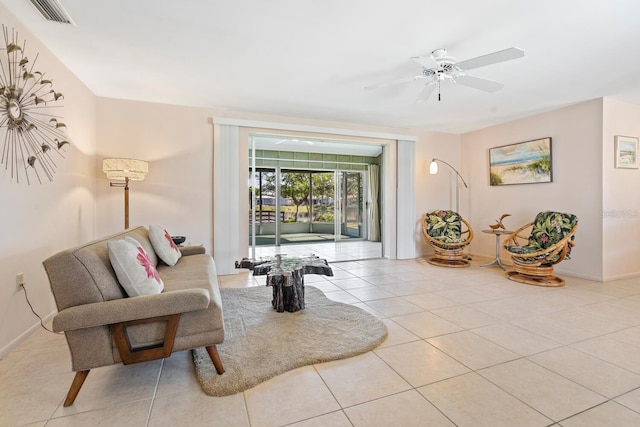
(439, 67)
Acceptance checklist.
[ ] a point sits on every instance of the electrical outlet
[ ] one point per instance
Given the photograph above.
(19, 281)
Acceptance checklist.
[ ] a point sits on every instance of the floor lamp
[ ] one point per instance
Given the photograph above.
(433, 169)
(122, 171)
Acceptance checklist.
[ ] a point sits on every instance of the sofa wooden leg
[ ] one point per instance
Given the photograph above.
(215, 358)
(76, 385)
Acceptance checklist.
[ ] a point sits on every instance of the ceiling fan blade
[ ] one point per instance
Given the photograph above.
(392, 83)
(479, 83)
(425, 61)
(491, 58)
(426, 92)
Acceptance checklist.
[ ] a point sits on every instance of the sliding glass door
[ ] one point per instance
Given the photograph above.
(323, 207)
(351, 215)
(306, 206)
(265, 215)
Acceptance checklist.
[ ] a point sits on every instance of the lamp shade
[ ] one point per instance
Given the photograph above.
(433, 167)
(121, 169)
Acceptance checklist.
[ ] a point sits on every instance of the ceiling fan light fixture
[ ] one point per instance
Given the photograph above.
(440, 55)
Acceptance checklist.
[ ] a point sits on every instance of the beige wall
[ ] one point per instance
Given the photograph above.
(437, 191)
(576, 133)
(177, 143)
(621, 198)
(38, 220)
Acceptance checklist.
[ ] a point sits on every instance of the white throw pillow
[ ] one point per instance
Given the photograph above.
(135, 271)
(163, 245)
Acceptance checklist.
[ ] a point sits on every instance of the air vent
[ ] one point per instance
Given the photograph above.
(52, 10)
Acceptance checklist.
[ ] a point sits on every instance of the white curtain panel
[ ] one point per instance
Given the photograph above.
(374, 211)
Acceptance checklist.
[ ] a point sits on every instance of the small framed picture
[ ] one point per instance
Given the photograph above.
(626, 152)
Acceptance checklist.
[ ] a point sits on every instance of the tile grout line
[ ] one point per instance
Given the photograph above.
(477, 372)
(155, 393)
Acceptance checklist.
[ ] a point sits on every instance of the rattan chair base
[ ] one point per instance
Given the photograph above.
(456, 263)
(550, 281)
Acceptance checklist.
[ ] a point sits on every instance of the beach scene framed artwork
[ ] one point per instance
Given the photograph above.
(626, 152)
(522, 163)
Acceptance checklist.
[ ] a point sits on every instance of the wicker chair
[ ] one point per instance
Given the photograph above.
(448, 234)
(549, 242)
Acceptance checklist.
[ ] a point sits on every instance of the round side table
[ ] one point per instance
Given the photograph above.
(497, 260)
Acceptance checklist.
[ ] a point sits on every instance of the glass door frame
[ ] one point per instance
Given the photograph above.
(363, 208)
(341, 204)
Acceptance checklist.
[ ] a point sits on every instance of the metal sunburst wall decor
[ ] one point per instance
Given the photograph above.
(32, 132)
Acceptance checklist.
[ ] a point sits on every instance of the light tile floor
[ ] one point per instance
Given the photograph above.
(347, 250)
(466, 347)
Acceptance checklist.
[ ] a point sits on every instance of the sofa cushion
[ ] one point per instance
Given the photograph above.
(84, 274)
(135, 270)
(141, 234)
(163, 245)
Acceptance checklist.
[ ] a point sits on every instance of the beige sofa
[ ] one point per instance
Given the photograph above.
(103, 326)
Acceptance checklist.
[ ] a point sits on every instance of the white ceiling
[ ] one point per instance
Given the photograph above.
(312, 59)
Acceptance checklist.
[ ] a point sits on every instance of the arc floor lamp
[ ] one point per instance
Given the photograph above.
(433, 169)
(122, 171)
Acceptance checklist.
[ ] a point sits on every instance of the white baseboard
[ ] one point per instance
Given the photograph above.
(620, 277)
(4, 351)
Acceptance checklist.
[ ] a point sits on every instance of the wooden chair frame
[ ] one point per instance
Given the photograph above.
(536, 268)
(452, 255)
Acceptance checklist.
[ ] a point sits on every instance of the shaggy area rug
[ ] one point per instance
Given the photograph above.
(261, 343)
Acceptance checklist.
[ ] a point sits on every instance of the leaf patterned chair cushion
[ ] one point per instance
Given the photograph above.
(548, 229)
(445, 227)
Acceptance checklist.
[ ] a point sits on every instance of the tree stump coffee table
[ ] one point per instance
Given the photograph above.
(286, 276)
